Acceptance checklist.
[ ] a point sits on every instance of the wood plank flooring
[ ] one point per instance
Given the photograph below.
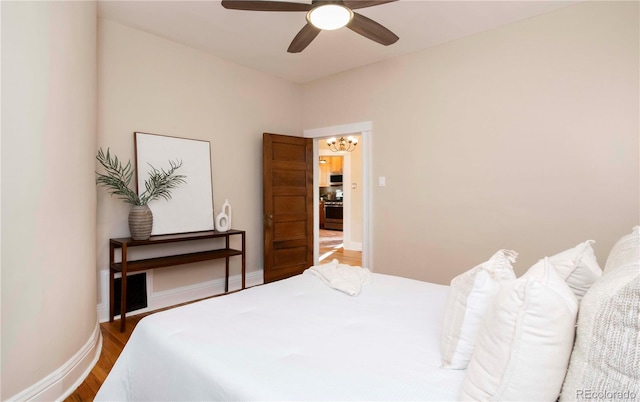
(331, 247)
(113, 340)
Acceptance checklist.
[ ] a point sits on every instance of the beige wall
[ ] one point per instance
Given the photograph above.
(48, 191)
(153, 85)
(524, 137)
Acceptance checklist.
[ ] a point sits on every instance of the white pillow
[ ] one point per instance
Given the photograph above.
(470, 294)
(605, 363)
(578, 267)
(625, 251)
(525, 341)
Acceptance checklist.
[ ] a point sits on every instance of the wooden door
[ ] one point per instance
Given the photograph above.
(288, 205)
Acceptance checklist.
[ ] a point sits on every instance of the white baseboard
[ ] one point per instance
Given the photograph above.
(64, 381)
(353, 246)
(158, 300)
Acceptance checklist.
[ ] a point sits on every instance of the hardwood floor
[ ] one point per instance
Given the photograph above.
(331, 247)
(113, 340)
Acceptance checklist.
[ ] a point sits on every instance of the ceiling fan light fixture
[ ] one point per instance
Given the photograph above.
(330, 16)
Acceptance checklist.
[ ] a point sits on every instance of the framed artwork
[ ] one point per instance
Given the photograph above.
(190, 208)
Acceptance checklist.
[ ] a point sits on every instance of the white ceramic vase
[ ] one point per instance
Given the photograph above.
(223, 220)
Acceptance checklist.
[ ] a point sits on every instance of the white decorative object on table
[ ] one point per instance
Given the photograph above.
(223, 220)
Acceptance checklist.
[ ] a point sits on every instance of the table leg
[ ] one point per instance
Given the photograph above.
(111, 283)
(244, 268)
(123, 289)
(226, 280)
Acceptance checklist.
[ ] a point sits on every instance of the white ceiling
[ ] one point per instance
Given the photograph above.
(260, 39)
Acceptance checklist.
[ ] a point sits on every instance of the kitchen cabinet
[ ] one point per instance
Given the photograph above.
(324, 173)
(335, 163)
(332, 165)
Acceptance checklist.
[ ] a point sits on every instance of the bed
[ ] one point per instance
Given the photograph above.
(300, 339)
(295, 339)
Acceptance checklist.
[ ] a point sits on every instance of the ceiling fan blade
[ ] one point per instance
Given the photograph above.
(372, 30)
(265, 5)
(355, 4)
(303, 38)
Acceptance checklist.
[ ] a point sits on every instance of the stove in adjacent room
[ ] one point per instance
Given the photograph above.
(333, 215)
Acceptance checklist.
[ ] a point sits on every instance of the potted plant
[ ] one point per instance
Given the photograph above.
(158, 185)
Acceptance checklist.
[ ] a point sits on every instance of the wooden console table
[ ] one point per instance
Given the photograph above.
(127, 266)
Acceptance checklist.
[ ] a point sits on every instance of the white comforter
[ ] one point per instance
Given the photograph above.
(295, 339)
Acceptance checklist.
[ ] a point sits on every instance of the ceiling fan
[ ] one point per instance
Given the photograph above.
(323, 15)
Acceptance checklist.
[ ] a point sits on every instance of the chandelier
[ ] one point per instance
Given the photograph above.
(342, 144)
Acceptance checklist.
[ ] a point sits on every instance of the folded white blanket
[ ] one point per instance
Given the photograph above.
(343, 277)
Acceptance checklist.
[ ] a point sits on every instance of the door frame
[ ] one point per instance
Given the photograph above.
(365, 130)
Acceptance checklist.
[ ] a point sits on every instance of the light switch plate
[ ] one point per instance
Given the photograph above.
(382, 181)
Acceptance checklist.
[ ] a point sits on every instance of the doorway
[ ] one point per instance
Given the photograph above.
(352, 244)
(340, 209)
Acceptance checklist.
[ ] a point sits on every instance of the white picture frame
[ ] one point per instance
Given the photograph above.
(190, 208)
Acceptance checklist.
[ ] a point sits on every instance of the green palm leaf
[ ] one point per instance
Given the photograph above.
(118, 177)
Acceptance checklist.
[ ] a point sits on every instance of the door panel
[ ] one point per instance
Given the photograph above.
(289, 178)
(290, 256)
(289, 230)
(285, 205)
(287, 152)
(288, 205)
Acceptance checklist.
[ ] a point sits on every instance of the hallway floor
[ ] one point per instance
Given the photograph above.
(331, 246)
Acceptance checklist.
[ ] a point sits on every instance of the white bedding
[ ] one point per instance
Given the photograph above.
(295, 339)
